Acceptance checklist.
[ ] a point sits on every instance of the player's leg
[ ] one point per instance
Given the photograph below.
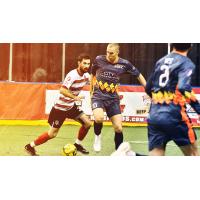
(124, 150)
(185, 137)
(157, 152)
(44, 137)
(86, 124)
(56, 119)
(117, 125)
(98, 125)
(98, 112)
(98, 118)
(157, 139)
(77, 114)
(52, 133)
(190, 150)
(113, 111)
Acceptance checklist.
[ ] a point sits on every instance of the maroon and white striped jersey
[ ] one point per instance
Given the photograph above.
(73, 82)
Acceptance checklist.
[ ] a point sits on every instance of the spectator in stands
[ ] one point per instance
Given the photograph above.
(39, 75)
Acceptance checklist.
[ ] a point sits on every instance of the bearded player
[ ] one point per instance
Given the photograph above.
(65, 107)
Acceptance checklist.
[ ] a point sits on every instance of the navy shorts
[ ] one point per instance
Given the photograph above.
(111, 107)
(160, 135)
(57, 117)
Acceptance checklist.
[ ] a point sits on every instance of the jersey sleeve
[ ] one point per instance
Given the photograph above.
(68, 81)
(196, 106)
(184, 86)
(132, 70)
(184, 79)
(88, 77)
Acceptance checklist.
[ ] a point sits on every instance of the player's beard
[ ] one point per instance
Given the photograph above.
(84, 70)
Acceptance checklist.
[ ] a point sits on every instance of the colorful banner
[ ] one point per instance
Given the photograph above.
(24, 101)
(29, 101)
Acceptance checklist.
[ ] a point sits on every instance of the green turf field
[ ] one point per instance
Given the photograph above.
(13, 139)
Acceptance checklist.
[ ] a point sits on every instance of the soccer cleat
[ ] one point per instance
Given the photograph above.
(81, 149)
(124, 150)
(97, 143)
(30, 150)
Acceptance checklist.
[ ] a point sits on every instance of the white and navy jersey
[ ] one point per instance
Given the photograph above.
(73, 82)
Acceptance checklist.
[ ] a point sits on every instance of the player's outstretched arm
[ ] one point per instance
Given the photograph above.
(185, 87)
(92, 83)
(195, 103)
(67, 93)
(142, 80)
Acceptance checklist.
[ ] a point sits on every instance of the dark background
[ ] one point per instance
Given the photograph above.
(28, 57)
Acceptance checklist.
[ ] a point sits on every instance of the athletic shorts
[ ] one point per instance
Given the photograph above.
(160, 135)
(57, 117)
(111, 107)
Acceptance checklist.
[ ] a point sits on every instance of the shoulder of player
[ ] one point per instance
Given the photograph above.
(161, 60)
(124, 61)
(72, 74)
(75, 75)
(189, 64)
(100, 57)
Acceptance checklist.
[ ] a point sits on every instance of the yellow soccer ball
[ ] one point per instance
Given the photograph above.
(69, 150)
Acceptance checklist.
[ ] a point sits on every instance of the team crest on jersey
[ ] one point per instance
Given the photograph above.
(169, 61)
(189, 73)
(69, 78)
(56, 122)
(118, 66)
(94, 105)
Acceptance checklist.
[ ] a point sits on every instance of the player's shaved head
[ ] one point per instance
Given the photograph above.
(112, 52)
(114, 45)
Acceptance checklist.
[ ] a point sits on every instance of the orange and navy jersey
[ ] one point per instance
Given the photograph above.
(75, 83)
(170, 88)
(108, 76)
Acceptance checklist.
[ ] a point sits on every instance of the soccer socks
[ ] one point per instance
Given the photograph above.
(118, 139)
(82, 133)
(41, 139)
(97, 128)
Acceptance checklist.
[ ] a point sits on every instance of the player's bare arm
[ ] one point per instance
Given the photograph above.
(142, 80)
(92, 83)
(68, 93)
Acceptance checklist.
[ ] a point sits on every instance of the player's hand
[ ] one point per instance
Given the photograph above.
(79, 98)
(198, 119)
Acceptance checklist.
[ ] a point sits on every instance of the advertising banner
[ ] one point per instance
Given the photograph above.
(134, 103)
(29, 101)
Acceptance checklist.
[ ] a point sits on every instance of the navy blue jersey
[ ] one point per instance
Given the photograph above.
(170, 88)
(108, 76)
(170, 71)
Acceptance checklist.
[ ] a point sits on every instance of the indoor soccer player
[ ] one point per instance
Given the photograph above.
(106, 71)
(169, 86)
(65, 107)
